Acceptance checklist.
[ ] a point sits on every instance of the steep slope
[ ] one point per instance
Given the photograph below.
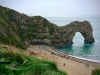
(21, 30)
(24, 29)
(8, 34)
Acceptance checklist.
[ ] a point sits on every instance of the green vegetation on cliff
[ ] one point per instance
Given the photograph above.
(17, 63)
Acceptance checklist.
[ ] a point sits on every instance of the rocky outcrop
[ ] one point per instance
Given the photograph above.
(21, 30)
(68, 32)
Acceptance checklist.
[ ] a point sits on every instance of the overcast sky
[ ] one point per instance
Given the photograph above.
(54, 8)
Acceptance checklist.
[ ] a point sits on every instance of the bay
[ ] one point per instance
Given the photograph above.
(80, 49)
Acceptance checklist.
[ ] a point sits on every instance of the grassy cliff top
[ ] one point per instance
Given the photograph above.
(18, 63)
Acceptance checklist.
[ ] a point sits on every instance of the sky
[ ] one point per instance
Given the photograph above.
(54, 8)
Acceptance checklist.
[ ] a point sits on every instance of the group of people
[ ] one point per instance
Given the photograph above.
(52, 53)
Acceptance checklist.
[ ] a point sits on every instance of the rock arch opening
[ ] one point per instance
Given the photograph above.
(78, 37)
(88, 38)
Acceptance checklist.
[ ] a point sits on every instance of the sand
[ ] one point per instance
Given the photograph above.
(69, 64)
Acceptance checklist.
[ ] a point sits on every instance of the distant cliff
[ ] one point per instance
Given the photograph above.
(21, 30)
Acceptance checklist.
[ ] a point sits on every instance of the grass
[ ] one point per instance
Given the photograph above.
(96, 71)
(15, 63)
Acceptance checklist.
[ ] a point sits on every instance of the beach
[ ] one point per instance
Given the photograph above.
(67, 63)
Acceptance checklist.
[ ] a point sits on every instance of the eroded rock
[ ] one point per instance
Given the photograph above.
(69, 31)
(21, 30)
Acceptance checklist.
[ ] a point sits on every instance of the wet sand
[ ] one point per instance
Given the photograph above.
(72, 65)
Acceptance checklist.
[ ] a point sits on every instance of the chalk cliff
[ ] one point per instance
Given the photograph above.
(21, 30)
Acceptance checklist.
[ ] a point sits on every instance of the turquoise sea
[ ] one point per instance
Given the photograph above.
(79, 48)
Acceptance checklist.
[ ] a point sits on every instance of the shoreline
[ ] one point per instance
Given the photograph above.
(78, 58)
(67, 63)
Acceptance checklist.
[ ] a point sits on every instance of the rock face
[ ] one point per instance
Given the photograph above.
(21, 30)
(68, 32)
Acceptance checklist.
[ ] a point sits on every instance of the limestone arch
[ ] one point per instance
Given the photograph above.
(84, 28)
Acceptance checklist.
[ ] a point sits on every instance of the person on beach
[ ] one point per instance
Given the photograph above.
(61, 55)
(64, 64)
(87, 65)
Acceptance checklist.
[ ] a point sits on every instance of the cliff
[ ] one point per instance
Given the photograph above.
(21, 30)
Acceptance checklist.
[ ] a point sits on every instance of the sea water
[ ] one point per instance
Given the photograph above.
(80, 49)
